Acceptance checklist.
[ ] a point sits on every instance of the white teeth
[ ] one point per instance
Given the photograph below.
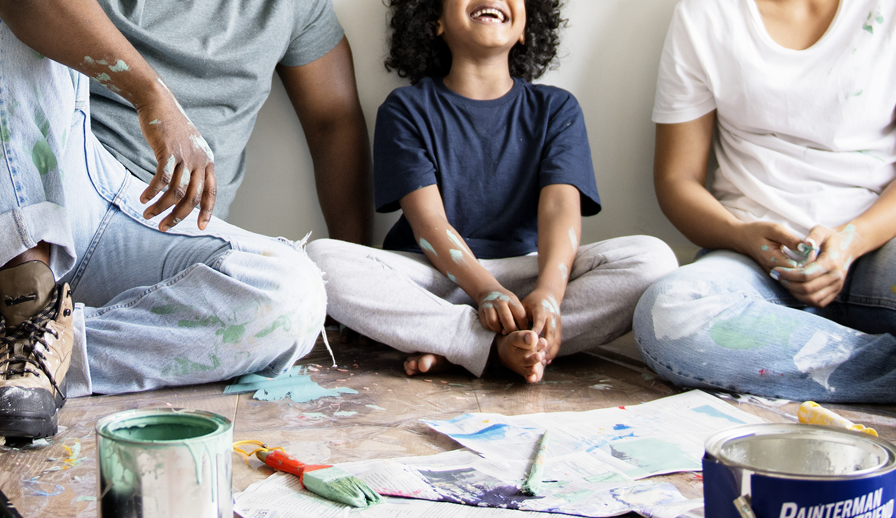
(488, 10)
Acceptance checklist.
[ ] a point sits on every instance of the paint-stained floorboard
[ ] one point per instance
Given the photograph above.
(382, 420)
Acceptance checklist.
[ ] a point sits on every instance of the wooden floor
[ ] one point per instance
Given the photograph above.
(380, 421)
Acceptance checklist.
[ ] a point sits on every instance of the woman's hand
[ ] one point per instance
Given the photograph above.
(771, 245)
(820, 279)
(185, 171)
(500, 311)
(544, 312)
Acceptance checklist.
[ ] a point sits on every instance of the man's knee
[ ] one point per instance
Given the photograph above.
(289, 286)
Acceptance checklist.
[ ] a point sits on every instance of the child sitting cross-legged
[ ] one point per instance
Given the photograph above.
(492, 174)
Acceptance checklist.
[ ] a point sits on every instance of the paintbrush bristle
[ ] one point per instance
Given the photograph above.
(340, 486)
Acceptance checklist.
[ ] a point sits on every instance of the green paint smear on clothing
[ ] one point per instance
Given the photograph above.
(232, 334)
(741, 332)
(283, 321)
(868, 28)
(184, 366)
(203, 322)
(296, 386)
(43, 157)
(893, 289)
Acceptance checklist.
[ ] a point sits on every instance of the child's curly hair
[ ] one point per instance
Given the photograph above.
(416, 52)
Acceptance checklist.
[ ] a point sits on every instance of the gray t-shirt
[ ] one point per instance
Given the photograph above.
(218, 57)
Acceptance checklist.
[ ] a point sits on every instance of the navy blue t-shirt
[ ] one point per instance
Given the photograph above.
(490, 160)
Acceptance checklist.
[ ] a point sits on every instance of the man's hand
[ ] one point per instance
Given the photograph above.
(543, 311)
(185, 171)
(819, 280)
(500, 311)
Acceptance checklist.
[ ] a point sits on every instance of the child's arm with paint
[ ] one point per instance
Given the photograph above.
(499, 309)
(559, 232)
(78, 34)
(818, 281)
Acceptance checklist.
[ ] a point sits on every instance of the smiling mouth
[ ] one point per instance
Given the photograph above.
(488, 15)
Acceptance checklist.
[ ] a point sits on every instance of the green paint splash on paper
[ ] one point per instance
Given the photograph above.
(652, 455)
(295, 385)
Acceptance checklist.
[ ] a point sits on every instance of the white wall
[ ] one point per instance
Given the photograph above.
(608, 60)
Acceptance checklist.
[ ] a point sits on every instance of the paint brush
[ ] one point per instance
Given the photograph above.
(321, 479)
(811, 412)
(532, 485)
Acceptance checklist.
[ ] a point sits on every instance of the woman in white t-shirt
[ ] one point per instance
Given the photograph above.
(794, 294)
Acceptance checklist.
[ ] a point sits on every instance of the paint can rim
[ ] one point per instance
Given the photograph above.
(107, 426)
(715, 443)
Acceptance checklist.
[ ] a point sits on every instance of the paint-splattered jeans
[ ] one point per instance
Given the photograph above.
(154, 309)
(723, 323)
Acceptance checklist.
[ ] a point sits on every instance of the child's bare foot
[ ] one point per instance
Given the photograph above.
(426, 363)
(523, 353)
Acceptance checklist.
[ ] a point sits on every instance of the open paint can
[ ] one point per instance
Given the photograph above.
(798, 471)
(164, 463)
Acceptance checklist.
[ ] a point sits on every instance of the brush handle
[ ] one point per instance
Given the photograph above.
(283, 462)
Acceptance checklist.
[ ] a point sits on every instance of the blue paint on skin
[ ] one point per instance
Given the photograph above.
(424, 244)
(456, 240)
(495, 295)
(457, 256)
(119, 66)
(452, 278)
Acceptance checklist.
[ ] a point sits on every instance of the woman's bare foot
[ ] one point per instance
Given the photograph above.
(426, 363)
(523, 353)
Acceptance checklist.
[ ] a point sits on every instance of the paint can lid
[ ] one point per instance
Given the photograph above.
(802, 451)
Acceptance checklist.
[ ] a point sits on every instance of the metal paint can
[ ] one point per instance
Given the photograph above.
(798, 471)
(164, 463)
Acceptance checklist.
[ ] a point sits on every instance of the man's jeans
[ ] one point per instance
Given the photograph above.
(723, 323)
(154, 309)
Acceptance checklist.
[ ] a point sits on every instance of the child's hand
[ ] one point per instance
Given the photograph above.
(500, 311)
(542, 308)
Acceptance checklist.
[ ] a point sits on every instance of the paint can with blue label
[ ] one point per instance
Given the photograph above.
(164, 462)
(798, 471)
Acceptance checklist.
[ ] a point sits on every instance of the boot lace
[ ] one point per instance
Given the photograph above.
(32, 331)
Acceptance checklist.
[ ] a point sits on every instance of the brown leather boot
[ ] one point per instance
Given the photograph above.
(36, 340)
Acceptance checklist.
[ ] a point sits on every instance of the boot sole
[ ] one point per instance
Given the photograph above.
(27, 413)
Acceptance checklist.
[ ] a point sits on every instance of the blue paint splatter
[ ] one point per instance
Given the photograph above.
(710, 411)
(494, 432)
(38, 488)
(293, 384)
(603, 440)
(621, 427)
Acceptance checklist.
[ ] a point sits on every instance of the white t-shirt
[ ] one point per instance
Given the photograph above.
(805, 137)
